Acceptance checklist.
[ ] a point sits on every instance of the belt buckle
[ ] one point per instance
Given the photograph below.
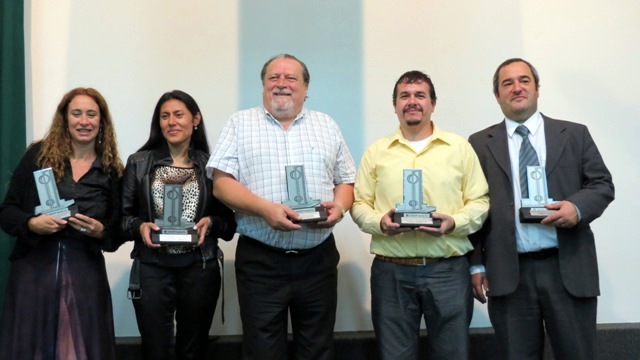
(291, 251)
(424, 261)
(134, 294)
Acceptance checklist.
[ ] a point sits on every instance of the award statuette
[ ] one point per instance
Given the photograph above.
(413, 212)
(50, 202)
(533, 210)
(308, 209)
(173, 229)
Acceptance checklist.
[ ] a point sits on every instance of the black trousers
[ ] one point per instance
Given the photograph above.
(272, 284)
(191, 294)
(541, 304)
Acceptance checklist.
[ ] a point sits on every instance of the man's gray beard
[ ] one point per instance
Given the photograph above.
(282, 110)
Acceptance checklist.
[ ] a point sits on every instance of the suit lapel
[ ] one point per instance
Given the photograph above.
(499, 149)
(555, 142)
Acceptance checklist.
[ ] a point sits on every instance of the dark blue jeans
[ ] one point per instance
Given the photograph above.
(402, 295)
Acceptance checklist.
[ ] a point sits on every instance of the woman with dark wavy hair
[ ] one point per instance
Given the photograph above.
(58, 301)
(178, 283)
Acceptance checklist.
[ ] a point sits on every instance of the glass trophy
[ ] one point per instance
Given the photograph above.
(413, 212)
(533, 210)
(50, 202)
(308, 209)
(173, 229)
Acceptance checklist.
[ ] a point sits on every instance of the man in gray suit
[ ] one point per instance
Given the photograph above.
(539, 276)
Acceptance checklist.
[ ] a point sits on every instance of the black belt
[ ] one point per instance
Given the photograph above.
(408, 261)
(540, 254)
(280, 250)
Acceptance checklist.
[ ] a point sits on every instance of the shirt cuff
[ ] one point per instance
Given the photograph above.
(474, 269)
(578, 211)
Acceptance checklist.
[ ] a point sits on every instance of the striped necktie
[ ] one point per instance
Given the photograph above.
(528, 157)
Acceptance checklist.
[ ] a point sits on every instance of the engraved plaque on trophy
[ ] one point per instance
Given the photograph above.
(308, 209)
(533, 210)
(50, 202)
(173, 229)
(413, 212)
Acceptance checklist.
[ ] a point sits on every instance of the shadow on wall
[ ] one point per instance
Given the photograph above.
(353, 289)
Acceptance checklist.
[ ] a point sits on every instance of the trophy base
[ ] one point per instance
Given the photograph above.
(180, 236)
(534, 215)
(63, 213)
(312, 214)
(410, 219)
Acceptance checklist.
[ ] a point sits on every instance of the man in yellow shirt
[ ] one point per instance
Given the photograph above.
(420, 271)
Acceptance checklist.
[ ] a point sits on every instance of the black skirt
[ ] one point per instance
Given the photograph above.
(58, 304)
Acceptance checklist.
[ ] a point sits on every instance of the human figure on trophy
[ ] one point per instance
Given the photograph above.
(62, 205)
(175, 222)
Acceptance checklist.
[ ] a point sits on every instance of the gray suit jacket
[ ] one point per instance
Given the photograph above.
(575, 172)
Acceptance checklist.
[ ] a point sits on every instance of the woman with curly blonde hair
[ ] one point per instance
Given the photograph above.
(58, 301)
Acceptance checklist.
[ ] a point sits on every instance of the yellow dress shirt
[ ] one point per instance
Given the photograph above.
(453, 182)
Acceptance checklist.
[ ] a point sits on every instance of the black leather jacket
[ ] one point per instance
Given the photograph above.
(137, 208)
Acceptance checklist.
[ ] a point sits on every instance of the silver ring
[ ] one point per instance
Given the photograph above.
(82, 229)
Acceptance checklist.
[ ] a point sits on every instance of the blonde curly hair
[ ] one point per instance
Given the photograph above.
(56, 145)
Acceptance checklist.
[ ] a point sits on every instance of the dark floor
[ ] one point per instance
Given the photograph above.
(615, 342)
